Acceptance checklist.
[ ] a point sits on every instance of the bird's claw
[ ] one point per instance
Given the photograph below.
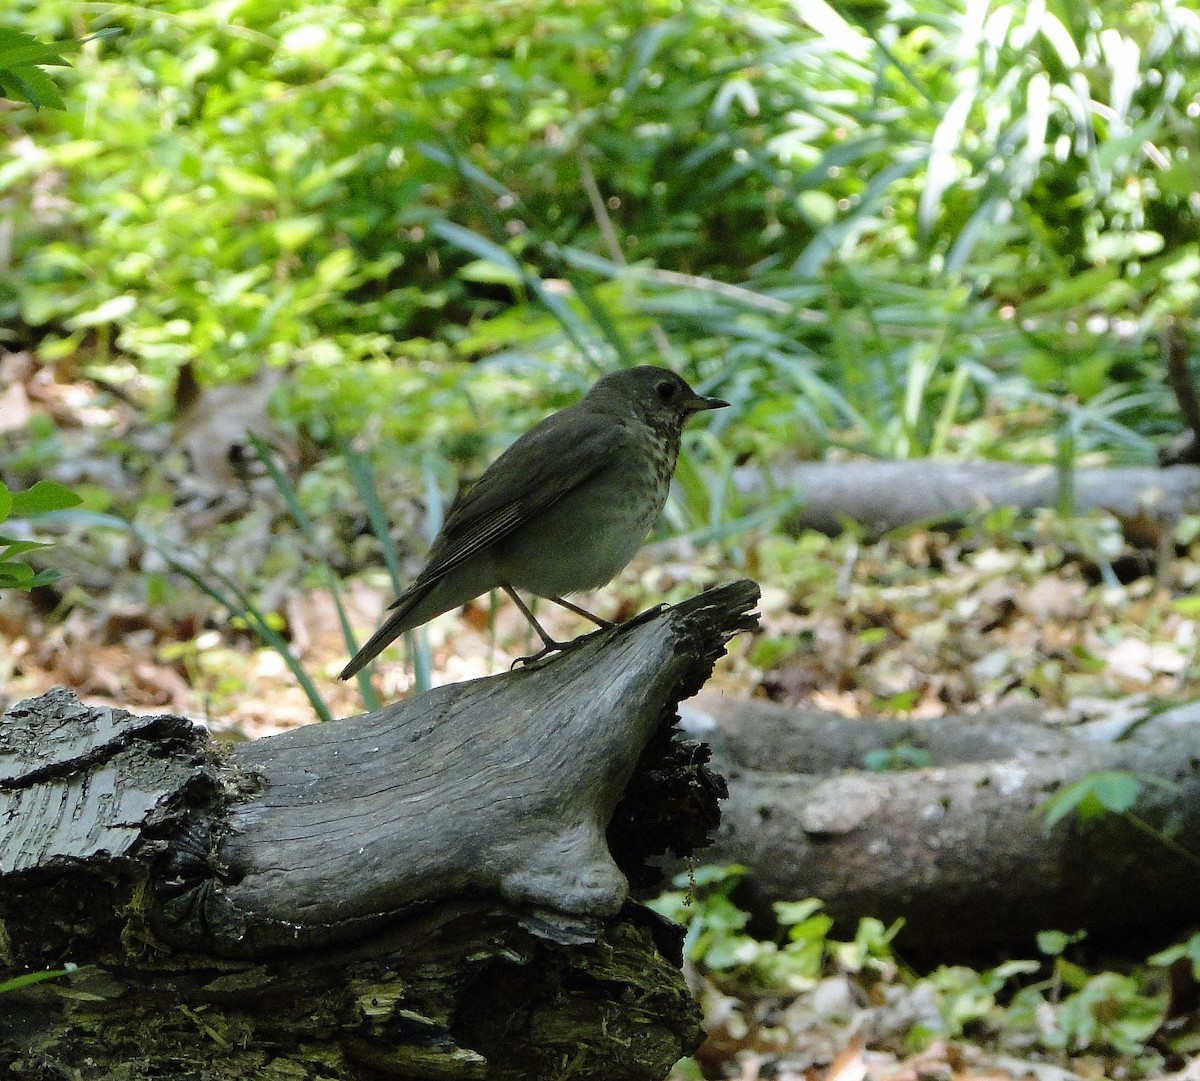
(553, 647)
(533, 658)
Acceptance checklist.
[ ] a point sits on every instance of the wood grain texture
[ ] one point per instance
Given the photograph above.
(434, 890)
(78, 783)
(501, 785)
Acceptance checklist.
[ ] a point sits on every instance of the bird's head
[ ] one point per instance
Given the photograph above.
(656, 395)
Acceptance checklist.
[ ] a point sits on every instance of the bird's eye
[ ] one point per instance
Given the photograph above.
(665, 390)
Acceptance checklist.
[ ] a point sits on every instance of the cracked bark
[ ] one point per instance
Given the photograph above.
(438, 889)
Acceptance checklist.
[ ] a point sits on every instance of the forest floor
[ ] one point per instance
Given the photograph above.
(916, 624)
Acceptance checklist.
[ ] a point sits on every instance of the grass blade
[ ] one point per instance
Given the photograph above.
(234, 600)
(288, 493)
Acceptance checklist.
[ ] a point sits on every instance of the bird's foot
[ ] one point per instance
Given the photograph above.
(550, 647)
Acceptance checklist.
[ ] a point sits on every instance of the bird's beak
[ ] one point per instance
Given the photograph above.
(700, 403)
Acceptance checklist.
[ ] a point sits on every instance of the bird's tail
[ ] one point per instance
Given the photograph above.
(426, 598)
(405, 617)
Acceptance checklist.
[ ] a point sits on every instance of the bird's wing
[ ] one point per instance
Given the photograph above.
(541, 467)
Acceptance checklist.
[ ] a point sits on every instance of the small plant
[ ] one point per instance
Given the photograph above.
(1049, 1002)
(45, 496)
(902, 755)
(22, 58)
(1189, 949)
(717, 940)
(1116, 792)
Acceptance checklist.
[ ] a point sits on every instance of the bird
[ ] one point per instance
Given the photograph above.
(562, 510)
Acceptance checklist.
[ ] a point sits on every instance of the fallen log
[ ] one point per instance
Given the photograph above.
(437, 889)
(958, 849)
(881, 496)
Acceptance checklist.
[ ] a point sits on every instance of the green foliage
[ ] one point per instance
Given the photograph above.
(716, 936)
(22, 58)
(1097, 794)
(1114, 792)
(45, 496)
(1189, 950)
(902, 756)
(416, 642)
(951, 210)
(28, 979)
(1105, 1010)
(1072, 1011)
(1101, 793)
(1053, 943)
(1049, 1002)
(330, 580)
(965, 997)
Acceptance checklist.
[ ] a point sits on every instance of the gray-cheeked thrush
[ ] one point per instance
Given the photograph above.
(562, 510)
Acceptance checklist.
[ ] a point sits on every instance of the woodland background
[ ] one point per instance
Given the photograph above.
(387, 238)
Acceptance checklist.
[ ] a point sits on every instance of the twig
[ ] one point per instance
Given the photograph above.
(738, 293)
(608, 234)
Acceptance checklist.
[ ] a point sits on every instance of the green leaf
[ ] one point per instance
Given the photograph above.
(18, 49)
(21, 79)
(31, 85)
(713, 873)
(1076, 289)
(1052, 943)
(111, 310)
(18, 547)
(44, 496)
(1189, 949)
(42, 578)
(247, 184)
(291, 233)
(1097, 794)
(21, 576)
(490, 273)
(28, 978)
(479, 246)
(292, 501)
(1116, 791)
(877, 760)
(789, 913)
(14, 574)
(335, 267)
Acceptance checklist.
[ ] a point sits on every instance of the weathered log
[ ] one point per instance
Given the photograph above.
(959, 849)
(881, 496)
(426, 891)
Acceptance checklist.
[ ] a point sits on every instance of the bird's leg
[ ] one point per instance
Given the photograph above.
(583, 612)
(550, 644)
(632, 621)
